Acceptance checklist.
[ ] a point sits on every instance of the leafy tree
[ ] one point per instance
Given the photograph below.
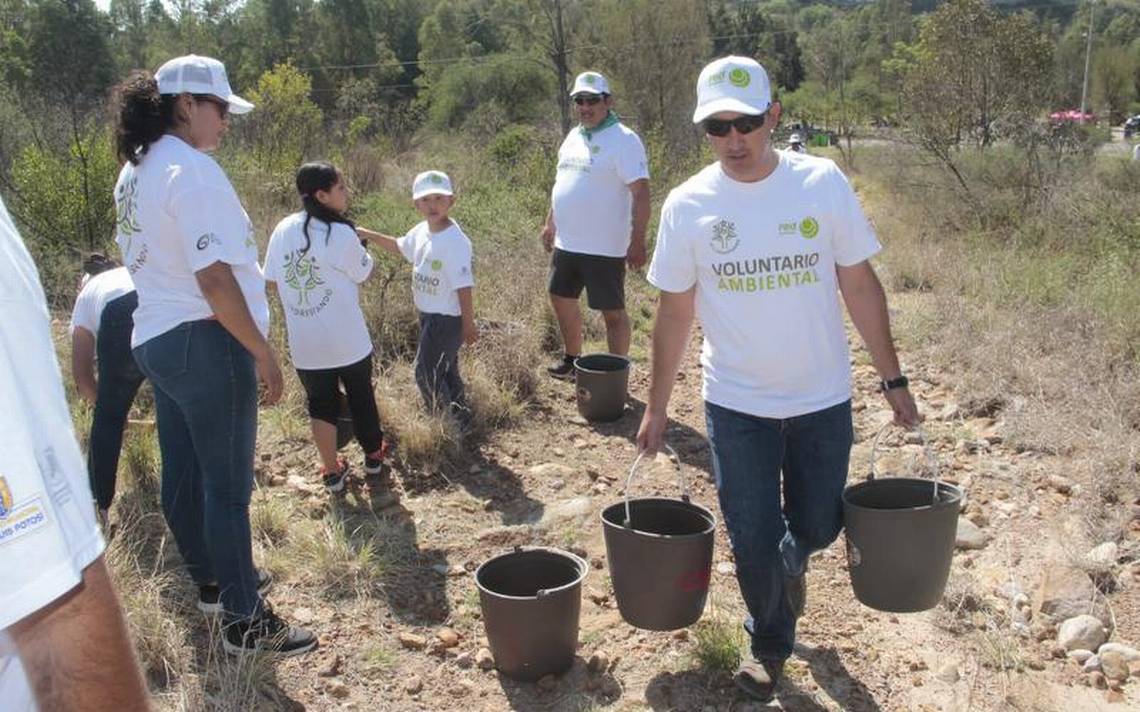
(286, 123)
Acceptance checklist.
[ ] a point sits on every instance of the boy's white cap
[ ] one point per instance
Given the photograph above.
(199, 75)
(431, 183)
(590, 83)
(736, 84)
(795, 139)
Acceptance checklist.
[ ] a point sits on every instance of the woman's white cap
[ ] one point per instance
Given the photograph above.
(431, 183)
(193, 74)
(737, 84)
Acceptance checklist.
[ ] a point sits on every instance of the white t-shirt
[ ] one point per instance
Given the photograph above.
(48, 534)
(593, 209)
(441, 265)
(763, 256)
(178, 214)
(318, 291)
(100, 290)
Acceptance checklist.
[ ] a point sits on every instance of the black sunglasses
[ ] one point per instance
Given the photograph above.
(223, 106)
(590, 99)
(742, 124)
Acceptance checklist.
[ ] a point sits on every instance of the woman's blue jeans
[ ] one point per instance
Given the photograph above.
(772, 539)
(205, 394)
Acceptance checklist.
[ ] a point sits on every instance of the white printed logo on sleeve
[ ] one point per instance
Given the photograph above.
(18, 518)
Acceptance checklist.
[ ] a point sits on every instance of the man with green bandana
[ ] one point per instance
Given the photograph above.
(599, 210)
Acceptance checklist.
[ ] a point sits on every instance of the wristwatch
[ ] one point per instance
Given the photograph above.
(892, 383)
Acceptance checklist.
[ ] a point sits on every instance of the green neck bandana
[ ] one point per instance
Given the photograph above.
(611, 119)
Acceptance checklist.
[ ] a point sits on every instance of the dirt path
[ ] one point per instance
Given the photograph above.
(547, 481)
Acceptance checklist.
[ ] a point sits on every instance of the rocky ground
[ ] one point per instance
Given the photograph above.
(1026, 623)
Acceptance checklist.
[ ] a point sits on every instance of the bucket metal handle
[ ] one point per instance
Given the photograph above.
(927, 450)
(680, 480)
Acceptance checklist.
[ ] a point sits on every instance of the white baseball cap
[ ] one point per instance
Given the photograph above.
(590, 83)
(795, 139)
(431, 183)
(737, 84)
(199, 75)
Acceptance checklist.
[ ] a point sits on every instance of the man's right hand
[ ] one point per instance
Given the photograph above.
(270, 374)
(547, 237)
(651, 434)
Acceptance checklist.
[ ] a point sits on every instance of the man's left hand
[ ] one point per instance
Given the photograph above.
(904, 407)
(635, 255)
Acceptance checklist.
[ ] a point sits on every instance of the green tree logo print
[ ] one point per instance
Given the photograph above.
(739, 77)
(436, 265)
(301, 273)
(127, 211)
(809, 228)
(724, 239)
(436, 178)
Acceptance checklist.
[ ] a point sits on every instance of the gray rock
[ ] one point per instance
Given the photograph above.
(948, 673)
(1064, 592)
(1129, 654)
(1114, 666)
(1082, 632)
(552, 470)
(1079, 655)
(1092, 664)
(1103, 557)
(970, 535)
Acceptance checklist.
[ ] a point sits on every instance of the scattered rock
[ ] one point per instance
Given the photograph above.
(462, 688)
(596, 596)
(484, 660)
(1114, 666)
(726, 568)
(1097, 679)
(1083, 632)
(464, 659)
(1079, 656)
(440, 569)
(599, 662)
(448, 638)
(557, 484)
(1061, 484)
(304, 616)
(411, 641)
(1064, 592)
(948, 673)
(552, 470)
(338, 690)
(414, 685)
(1104, 556)
(332, 669)
(548, 683)
(1129, 654)
(597, 562)
(970, 535)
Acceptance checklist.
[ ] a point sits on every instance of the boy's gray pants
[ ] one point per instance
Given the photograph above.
(437, 361)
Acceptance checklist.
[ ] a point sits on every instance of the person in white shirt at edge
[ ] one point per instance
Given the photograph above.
(317, 260)
(795, 143)
(760, 245)
(101, 325)
(63, 640)
(443, 283)
(599, 209)
(199, 334)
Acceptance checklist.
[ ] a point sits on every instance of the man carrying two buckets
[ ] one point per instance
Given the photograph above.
(761, 244)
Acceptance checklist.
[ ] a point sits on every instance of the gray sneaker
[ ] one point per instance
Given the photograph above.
(758, 678)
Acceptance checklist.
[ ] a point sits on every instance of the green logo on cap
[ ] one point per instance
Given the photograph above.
(436, 178)
(809, 228)
(436, 265)
(590, 79)
(740, 77)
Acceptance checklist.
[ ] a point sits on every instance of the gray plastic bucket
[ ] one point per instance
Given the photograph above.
(900, 539)
(531, 600)
(660, 557)
(603, 381)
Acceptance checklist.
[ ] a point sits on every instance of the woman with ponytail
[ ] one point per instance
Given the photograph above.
(199, 333)
(317, 261)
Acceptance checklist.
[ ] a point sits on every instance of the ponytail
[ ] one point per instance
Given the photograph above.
(142, 115)
(311, 178)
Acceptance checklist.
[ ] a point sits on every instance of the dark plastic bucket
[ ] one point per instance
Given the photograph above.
(603, 380)
(900, 539)
(344, 429)
(660, 556)
(531, 600)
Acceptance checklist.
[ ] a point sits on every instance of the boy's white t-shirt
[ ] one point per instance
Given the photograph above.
(100, 290)
(763, 257)
(593, 208)
(441, 265)
(319, 292)
(48, 534)
(178, 214)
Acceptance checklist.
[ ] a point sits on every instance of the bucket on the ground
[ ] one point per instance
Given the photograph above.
(603, 380)
(660, 554)
(900, 537)
(344, 430)
(531, 599)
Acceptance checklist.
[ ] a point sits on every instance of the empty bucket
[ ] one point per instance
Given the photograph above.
(602, 383)
(900, 538)
(531, 600)
(660, 556)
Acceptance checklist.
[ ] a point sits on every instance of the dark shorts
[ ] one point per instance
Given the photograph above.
(603, 278)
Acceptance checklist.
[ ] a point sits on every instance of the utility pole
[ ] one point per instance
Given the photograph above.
(1088, 56)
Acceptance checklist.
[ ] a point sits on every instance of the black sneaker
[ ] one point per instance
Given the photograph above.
(374, 462)
(758, 678)
(334, 481)
(564, 369)
(210, 596)
(267, 634)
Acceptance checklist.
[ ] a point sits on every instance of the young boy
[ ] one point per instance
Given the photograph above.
(442, 282)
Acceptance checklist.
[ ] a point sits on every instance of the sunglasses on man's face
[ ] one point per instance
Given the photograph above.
(742, 124)
(223, 106)
(591, 99)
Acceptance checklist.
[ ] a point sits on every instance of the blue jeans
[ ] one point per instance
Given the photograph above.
(119, 381)
(770, 541)
(205, 396)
